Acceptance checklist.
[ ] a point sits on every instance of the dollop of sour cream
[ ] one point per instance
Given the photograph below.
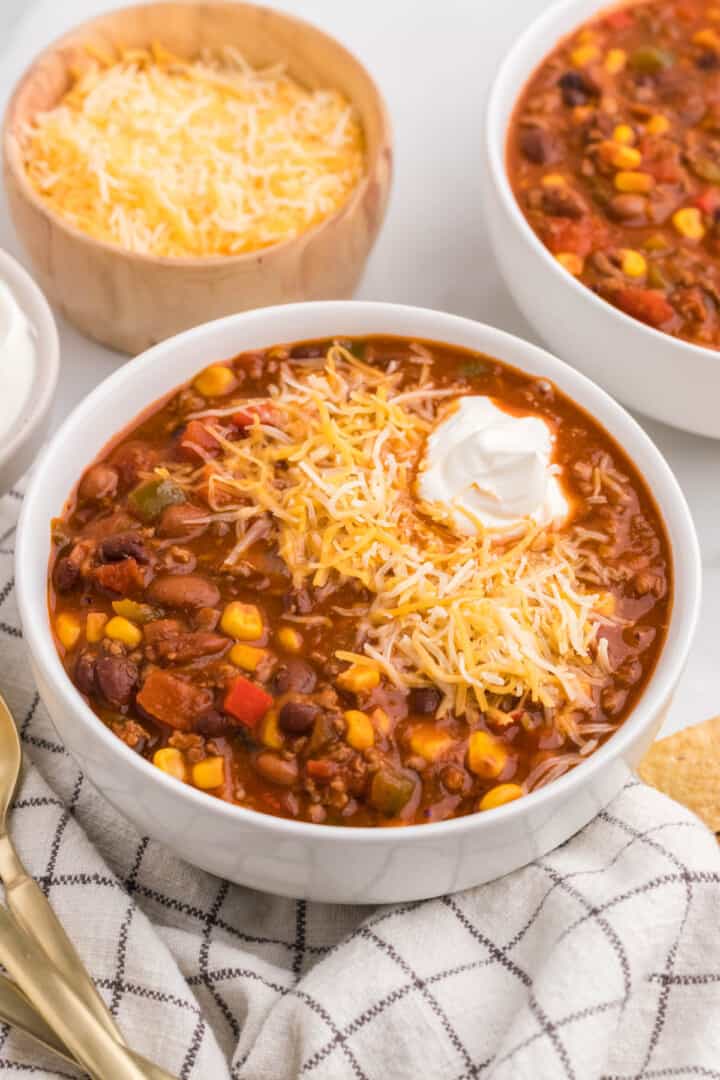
(17, 360)
(486, 464)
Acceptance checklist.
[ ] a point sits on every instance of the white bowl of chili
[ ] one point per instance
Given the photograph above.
(671, 378)
(330, 862)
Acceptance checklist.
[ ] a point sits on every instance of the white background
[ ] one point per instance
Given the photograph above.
(433, 62)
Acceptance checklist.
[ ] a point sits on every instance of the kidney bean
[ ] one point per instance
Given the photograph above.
(424, 700)
(183, 591)
(84, 674)
(276, 769)
(294, 676)
(539, 146)
(297, 717)
(116, 678)
(124, 546)
(99, 482)
(180, 519)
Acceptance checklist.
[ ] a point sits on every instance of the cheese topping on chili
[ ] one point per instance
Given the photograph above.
(207, 157)
(328, 468)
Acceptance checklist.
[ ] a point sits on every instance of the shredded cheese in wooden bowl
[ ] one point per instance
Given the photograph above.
(171, 157)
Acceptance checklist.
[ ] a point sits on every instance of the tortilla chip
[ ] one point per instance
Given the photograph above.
(686, 766)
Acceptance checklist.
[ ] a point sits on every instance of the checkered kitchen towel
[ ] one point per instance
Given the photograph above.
(601, 960)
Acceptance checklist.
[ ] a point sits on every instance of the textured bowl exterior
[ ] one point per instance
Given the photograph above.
(293, 858)
(128, 301)
(660, 376)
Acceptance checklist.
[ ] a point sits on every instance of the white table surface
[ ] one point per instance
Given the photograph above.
(433, 62)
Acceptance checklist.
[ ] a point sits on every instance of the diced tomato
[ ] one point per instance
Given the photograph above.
(619, 20)
(708, 201)
(124, 578)
(647, 305)
(197, 435)
(172, 700)
(578, 237)
(321, 770)
(246, 701)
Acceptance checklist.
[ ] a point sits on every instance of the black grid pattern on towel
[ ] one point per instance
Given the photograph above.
(600, 961)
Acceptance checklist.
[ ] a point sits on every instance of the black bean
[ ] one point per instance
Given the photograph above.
(116, 677)
(294, 676)
(297, 717)
(124, 546)
(424, 700)
(66, 575)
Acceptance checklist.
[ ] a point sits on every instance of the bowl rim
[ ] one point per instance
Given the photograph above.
(13, 163)
(37, 310)
(685, 553)
(496, 138)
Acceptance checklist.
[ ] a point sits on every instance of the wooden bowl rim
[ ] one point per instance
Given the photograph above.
(14, 164)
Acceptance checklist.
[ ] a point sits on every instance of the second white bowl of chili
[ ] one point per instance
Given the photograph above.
(602, 223)
(243, 787)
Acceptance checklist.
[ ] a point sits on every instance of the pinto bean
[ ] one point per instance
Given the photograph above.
(183, 591)
(276, 769)
(180, 519)
(99, 482)
(297, 717)
(125, 546)
(116, 678)
(294, 676)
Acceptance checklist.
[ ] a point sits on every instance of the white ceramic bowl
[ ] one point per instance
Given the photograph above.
(19, 447)
(316, 861)
(661, 376)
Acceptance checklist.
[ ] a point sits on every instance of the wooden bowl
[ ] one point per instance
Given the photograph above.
(129, 301)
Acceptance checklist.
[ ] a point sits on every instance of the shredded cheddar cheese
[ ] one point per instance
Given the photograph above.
(187, 158)
(327, 471)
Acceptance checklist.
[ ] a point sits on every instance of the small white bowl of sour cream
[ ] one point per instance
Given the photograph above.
(29, 366)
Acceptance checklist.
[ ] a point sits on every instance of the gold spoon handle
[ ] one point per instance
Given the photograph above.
(87, 1040)
(33, 913)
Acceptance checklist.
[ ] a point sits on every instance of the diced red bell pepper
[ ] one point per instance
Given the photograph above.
(246, 702)
(708, 201)
(197, 435)
(647, 305)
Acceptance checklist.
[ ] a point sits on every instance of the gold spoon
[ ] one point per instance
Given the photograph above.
(33, 913)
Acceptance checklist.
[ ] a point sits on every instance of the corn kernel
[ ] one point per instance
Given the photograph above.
(171, 762)
(623, 157)
(584, 55)
(242, 621)
(573, 263)
(121, 629)
(289, 639)
(246, 656)
(209, 773)
(430, 743)
(553, 180)
(624, 135)
(688, 223)
(215, 381)
(657, 124)
(615, 61)
(633, 263)
(498, 796)
(359, 678)
(95, 626)
(381, 720)
(636, 182)
(487, 756)
(67, 629)
(359, 732)
(270, 733)
(707, 39)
